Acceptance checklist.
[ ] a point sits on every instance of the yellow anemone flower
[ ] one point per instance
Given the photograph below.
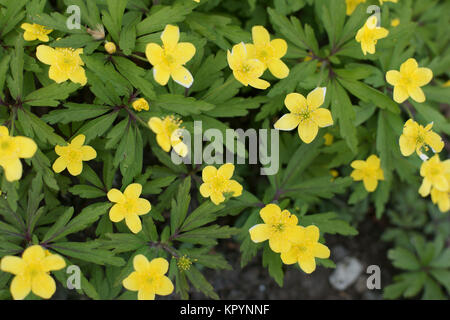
(110, 47)
(169, 60)
(128, 206)
(441, 198)
(65, 63)
(368, 171)
(140, 104)
(246, 69)
(11, 150)
(395, 22)
(149, 278)
(270, 52)
(279, 227)
(369, 34)
(306, 114)
(73, 155)
(305, 249)
(32, 272)
(435, 175)
(35, 31)
(415, 137)
(408, 81)
(168, 134)
(352, 4)
(217, 182)
(329, 138)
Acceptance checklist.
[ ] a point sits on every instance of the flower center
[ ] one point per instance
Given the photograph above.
(305, 115)
(246, 68)
(278, 227)
(130, 205)
(74, 155)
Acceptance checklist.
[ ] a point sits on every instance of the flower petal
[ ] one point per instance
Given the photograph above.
(78, 75)
(279, 244)
(312, 233)
(259, 83)
(322, 117)
(370, 183)
(307, 130)
(59, 165)
(400, 94)
(133, 191)
(26, 147)
(295, 102)
(156, 125)
(278, 68)
(46, 54)
(393, 77)
(158, 266)
(182, 76)
(290, 257)
(134, 223)
(146, 294)
(422, 76)
(287, 122)
(154, 53)
(78, 141)
(321, 251)
(89, 153)
(116, 213)
(20, 287)
(53, 262)
(407, 145)
(140, 263)
(164, 286)
(14, 265)
(307, 264)
(170, 37)
(57, 74)
(260, 36)
(184, 52)
(161, 74)
(33, 254)
(143, 206)
(409, 66)
(280, 47)
(270, 213)
(259, 232)
(132, 282)
(114, 195)
(43, 285)
(316, 97)
(13, 169)
(75, 168)
(416, 94)
(208, 173)
(226, 171)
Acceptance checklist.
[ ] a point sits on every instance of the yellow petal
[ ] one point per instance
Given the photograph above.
(154, 53)
(89, 153)
(134, 223)
(184, 52)
(259, 232)
(295, 102)
(407, 145)
(164, 286)
(132, 282)
(289, 257)
(259, 83)
(370, 183)
(208, 173)
(294, 233)
(422, 76)
(321, 251)
(20, 287)
(312, 233)
(393, 77)
(156, 125)
(78, 75)
(53, 262)
(316, 98)
(43, 285)
(170, 37)
(57, 74)
(217, 197)
(226, 171)
(140, 263)
(158, 266)
(409, 66)
(33, 254)
(146, 294)
(13, 169)
(133, 191)
(287, 122)
(4, 131)
(114, 195)
(322, 117)
(260, 35)
(373, 161)
(205, 190)
(400, 94)
(278, 68)
(181, 149)
(116, 213)
(59, 165)
(14, 265)
(163, 141)
(161, 74)
(270, 213)
(27, 147)
(279, 244)
(307, 264)
(29, 36)
(357, 175)
(416, 94)
(78, 141)
(75, 168)
(182, 76)
(434, 141)
(46, 54)
(307, 130)
(280, 47)
(143, 206)
(441, 183)
(26, 26)
(425, 187)
(235, 187)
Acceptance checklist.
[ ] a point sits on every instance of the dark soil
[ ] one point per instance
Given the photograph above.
(254, 282)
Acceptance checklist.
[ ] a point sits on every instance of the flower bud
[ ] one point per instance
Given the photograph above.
(110, 47)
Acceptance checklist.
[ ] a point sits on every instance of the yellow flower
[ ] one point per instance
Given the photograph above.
(352, 4)
(408, 81)
(368, 171)
(73, 155)
(35, 31)
(110, 47)
(217, 182)
(270, 52)
(246, 69)
(369, 34)
(149, 278)
(168, 134)
(168, 60)
(128, 206)
(11, 150)
(446, 84)
(329, 138)
(395, 22)
(279, 227)
(334, 173)
(65, 63)
(306, 114)
(305, 249)
(140, 104)
(435, 175)
(415, 137)
(32, 272)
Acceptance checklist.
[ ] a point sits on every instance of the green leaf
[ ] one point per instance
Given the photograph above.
(200, 283)
(50, 96)
(272, 261)
(75, 112)
(329, 223)
(403, 259)
(88, 251)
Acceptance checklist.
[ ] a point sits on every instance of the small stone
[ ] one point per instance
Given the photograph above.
(346, 273)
